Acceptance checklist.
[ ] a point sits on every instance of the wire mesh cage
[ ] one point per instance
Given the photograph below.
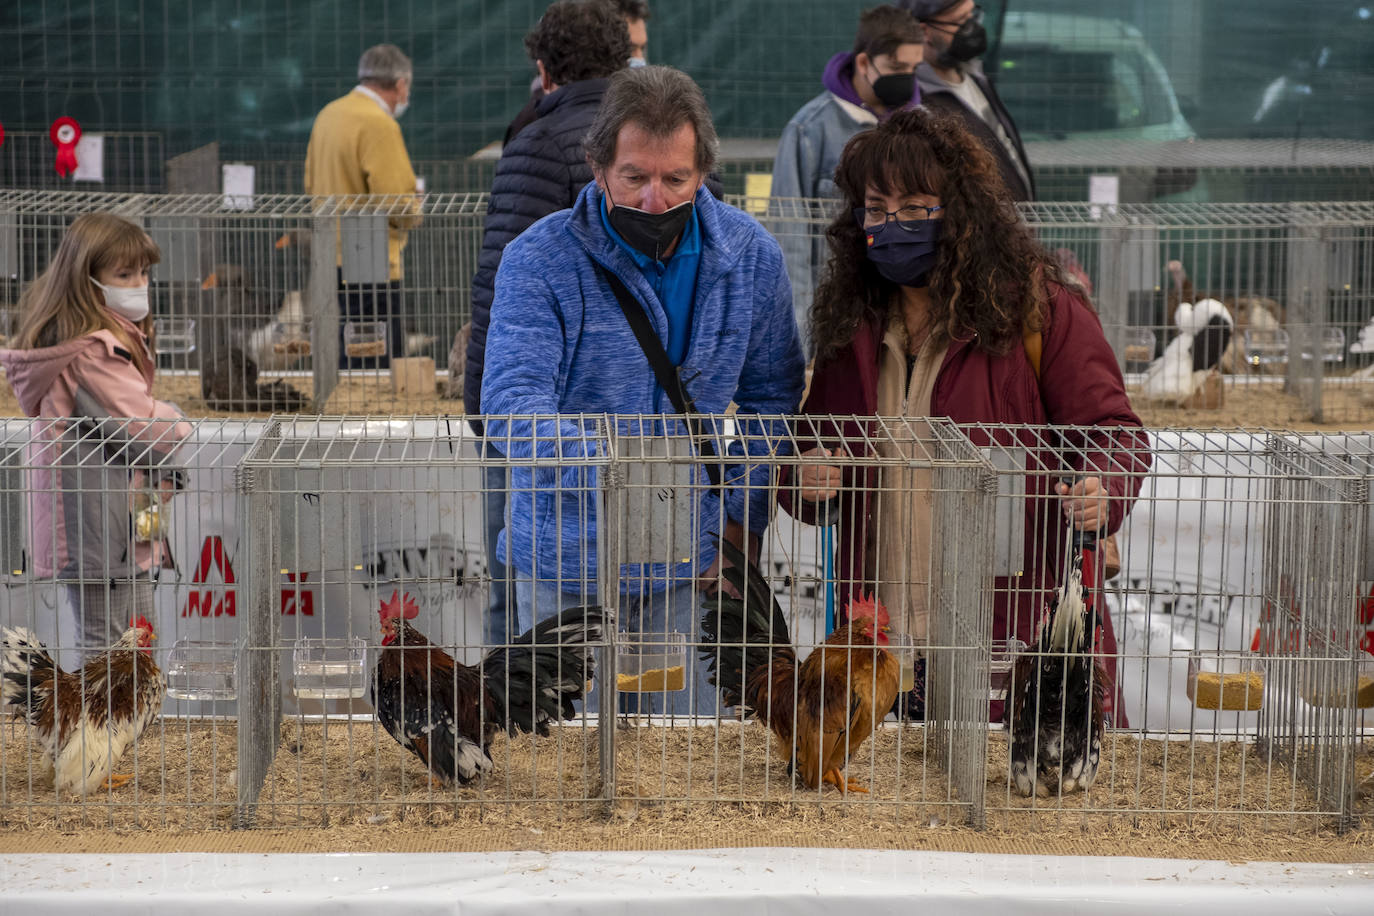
(282, 303)
(1252, 311)
(1240, 573)
(1202, 170)
(118, 161)
(639, 519)
(108, 523)
(1231, 314)
(303, 559)
(287, 303)
(1315, 546)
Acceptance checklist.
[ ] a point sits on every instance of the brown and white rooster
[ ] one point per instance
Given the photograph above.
(88, 719)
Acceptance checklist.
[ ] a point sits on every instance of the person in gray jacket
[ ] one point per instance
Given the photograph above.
(862, 87)
(952, 81)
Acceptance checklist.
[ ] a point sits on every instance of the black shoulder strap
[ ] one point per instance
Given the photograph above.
(669, 379)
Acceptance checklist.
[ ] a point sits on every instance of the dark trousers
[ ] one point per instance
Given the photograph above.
(369, 302)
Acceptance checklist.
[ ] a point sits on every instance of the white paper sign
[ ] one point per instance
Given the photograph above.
(238, 186)
(90, 158)
(1104, 189)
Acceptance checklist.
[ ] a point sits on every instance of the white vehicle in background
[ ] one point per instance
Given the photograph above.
(1083, 78)
(1090, 96)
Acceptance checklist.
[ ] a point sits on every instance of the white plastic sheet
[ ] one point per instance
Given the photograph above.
(729, 881)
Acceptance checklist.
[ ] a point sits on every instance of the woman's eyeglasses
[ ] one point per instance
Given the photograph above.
(907, 218)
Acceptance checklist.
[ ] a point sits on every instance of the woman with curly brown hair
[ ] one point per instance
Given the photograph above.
(937, 301)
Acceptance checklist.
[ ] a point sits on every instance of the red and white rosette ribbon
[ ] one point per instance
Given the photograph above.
(64, 133)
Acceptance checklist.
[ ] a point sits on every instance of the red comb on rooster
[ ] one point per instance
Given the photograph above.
(399, 606)
(145, 632)
(868, 607)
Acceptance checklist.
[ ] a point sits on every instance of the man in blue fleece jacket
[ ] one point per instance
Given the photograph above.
(714, 286)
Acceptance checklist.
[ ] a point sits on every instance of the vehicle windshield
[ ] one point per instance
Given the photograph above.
(1055, 92)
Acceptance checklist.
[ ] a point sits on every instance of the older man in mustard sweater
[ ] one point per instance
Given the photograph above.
(356, 147)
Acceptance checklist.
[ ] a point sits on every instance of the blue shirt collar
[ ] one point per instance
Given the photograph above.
(689, 244)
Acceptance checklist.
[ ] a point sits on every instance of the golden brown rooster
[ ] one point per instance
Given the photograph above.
(821, 711)
(85, 719)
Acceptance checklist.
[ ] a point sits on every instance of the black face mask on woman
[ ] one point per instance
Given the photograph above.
(649, 233)
(969, 41)
(905, 256)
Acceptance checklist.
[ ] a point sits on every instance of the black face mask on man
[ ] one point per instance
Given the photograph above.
(649, 233)
(895, 90)
(969, 41)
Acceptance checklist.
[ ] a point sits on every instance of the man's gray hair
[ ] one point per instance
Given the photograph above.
(658, 99)
(383, 65)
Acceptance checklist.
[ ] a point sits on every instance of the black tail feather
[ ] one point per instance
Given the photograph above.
(24, 664)
(539, 676)
(741, 635)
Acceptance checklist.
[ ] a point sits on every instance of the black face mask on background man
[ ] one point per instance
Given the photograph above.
(894, 90)
(969, 41)
(649, 233)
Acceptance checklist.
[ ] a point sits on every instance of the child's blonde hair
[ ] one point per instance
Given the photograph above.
(63, 303)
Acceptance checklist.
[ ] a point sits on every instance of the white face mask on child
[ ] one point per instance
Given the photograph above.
(129, 301)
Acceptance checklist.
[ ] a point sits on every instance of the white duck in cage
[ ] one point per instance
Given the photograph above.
(1204, 331)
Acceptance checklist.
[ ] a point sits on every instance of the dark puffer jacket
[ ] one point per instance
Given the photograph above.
(541, 171)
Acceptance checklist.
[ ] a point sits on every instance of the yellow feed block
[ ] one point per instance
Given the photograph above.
(412, 375)
(1210, 690)
(368, 348)
(1363, 698)
(655, 681)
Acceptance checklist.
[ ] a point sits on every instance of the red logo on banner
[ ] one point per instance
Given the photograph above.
(64, 133)
(298, 600)
(213, 559)
(1367, 621)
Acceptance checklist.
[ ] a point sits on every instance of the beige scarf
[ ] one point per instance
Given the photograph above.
(900, 559)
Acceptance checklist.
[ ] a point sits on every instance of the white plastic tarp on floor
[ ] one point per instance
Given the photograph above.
(729, 881)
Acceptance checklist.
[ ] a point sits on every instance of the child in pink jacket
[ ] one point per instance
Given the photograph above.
(95, 479)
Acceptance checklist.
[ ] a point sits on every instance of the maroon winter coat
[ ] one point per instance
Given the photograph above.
(1080, 384)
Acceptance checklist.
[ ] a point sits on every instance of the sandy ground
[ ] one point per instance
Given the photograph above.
(677, 787)
(355, 395)
(1344, 408)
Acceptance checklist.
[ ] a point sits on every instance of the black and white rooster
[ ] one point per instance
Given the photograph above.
(445, 713)
(1058, 689)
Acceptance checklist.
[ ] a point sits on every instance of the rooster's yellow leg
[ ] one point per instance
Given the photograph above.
(115, 780)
